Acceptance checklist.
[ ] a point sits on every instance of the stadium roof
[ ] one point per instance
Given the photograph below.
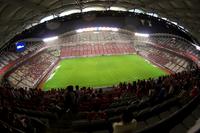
(18, 15)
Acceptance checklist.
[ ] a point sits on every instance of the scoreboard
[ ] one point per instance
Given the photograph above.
(20, 46)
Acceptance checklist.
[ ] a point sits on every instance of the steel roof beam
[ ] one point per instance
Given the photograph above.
(27, 4)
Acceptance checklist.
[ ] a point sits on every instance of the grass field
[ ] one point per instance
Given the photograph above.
(101, 71)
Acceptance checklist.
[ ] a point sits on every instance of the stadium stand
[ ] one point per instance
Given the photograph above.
(97, 49)
(145, 98)
(96, 37)
(158, 49)
(171, 61)
(175, 43)
(9, 57)
(153, 102)
(30, 73)
(167, 104)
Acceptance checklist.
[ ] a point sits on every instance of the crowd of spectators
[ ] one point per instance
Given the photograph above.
(100, 38)
(126, 125)
(75, 99)
(94, 49)
(168, 60)
(31, 72)
(15, 122)
(10, 55)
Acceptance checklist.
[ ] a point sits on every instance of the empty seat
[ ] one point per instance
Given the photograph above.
(156, 109)
(81, 115)
(142, 105)
(102, 131)
(120, 110)
(174, 109)
(196, 113)
(179, 129)
(164, 114)
(152, 120)
(141, 125)
(81, 125)
(143, 114)
(132, 107)
(189, 121)
(110, 112)
(99, 125)
(114, 119)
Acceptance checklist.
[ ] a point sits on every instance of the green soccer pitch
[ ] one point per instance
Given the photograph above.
(101, 71)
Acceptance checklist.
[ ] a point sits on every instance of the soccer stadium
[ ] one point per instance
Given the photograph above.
(99, 66)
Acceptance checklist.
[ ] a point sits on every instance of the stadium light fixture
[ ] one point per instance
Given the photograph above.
(152, 14)
(87, 9)
(114, 8)
(79, 30)
(49, 39)
(115, 29)
(97, 29)
(69, 12)
(138, 11)
(141, 35)
(175, 23)
(47, 18)
(164, 18)
(196, 46)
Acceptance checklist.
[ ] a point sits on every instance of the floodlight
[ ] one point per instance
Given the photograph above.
(141, 34)
(97, 29)
(115, 29)
(69, 12)
(50, 39)
(47, 18)
(197, 47)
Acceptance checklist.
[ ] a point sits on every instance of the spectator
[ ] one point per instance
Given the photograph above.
(195, 128)
(194, 92)
(126, 125)
(162, 93)
(70, 99)
(171, 90)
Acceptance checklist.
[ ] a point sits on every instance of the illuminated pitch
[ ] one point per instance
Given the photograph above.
(101, 71)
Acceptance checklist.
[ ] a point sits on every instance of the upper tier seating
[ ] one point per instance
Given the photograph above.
(95, 37)
(175, 43)
(11, 56)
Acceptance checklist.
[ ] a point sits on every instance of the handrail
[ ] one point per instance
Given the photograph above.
(171, 35)
(13, 128)
(168, 123)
